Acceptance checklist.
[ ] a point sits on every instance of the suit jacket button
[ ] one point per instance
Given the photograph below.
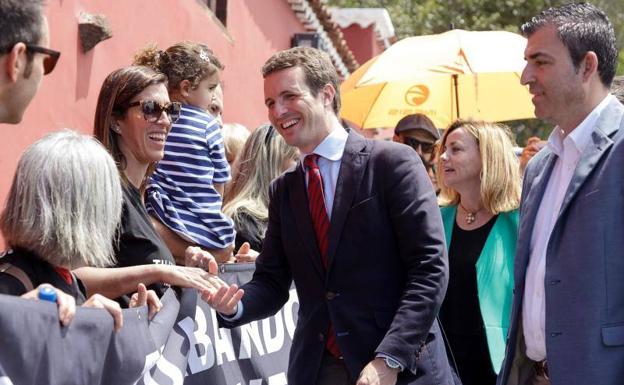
(321, 337)
(330, 295)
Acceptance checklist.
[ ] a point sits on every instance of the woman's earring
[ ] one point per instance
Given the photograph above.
(115, 127)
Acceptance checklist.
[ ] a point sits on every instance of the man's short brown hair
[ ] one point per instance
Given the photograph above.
(317, 68)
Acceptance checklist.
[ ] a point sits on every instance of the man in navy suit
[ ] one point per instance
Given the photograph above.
(567, 323)
(356, 226)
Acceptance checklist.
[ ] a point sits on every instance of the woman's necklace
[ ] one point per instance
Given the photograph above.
(470, 216)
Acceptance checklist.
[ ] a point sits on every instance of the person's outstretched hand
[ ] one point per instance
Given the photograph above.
(225, 300)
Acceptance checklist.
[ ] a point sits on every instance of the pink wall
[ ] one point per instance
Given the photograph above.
(255, 30)
(362, 41)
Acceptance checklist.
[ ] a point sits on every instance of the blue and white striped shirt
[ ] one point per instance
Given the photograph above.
(181, 191)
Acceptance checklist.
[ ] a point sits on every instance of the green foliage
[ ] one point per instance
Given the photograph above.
(423, 17)
(526, 128)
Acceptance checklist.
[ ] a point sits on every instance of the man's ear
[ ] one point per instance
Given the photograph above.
(589, 65)
(15, 62)
(329, 93)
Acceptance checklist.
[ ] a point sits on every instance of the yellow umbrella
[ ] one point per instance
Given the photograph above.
(453, 74)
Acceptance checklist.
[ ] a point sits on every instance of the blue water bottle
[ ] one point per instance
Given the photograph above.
(47, 293)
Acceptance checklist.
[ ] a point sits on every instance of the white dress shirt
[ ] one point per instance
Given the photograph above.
(568, 150)
(330, 152)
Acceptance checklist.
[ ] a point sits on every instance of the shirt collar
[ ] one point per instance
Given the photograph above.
(579, 137)
(332, 147)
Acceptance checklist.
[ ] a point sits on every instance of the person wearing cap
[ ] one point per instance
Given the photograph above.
(418, 132)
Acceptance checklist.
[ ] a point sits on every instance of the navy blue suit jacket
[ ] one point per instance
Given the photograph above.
(584, 285)
(387, 271)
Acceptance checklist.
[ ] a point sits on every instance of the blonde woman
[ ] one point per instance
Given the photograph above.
(234, 138)
(264, 157)
(479, 183)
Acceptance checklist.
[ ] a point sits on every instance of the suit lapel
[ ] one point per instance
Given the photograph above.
(301, 211)
(351, 172)
(532, 202)
(608, 123)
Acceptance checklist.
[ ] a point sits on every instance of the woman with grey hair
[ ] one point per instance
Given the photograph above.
(61, 213)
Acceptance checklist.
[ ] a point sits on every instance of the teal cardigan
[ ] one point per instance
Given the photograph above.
(494, 277)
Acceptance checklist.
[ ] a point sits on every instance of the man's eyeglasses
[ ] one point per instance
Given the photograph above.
(152, 110)
(51, 57)
(425, 147)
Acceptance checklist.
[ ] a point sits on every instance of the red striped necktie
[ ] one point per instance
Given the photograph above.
(320, 220)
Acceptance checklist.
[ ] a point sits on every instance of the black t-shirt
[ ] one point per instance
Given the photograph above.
(139, 243)
(38, 271)
(249, 229)
(460, 314)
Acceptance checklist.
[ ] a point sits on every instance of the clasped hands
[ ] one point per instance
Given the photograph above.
(200, 272)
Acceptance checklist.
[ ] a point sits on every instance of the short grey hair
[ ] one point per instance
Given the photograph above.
(65, 201)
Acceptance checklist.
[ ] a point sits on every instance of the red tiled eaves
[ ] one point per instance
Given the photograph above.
(316, 17)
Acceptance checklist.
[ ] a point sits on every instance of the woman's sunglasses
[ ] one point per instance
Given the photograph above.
(152, 110)
(51, 57)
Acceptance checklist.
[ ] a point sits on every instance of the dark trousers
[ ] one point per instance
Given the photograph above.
(333, 371)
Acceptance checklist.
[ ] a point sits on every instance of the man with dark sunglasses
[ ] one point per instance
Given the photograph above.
(418, 132)
(24, 55)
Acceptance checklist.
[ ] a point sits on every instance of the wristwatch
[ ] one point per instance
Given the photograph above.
(392, 364)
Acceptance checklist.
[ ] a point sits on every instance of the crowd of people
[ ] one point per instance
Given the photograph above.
(429, 259)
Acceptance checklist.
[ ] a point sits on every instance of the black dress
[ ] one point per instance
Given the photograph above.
(460, 314)
(139, 243)
(38, 271)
